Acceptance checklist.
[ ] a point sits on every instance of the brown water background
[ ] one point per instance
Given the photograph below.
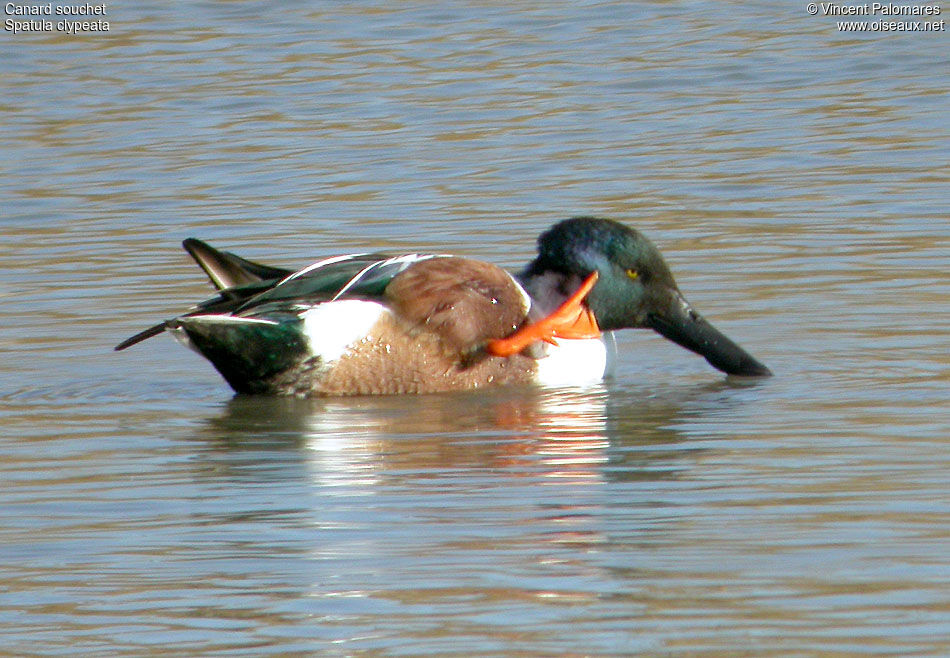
(795, 176)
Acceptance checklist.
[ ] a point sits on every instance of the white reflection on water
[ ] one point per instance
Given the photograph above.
(564, 432)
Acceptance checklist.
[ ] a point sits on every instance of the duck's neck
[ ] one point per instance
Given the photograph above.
(548, 290)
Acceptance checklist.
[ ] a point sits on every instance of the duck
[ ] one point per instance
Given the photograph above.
(377, 324)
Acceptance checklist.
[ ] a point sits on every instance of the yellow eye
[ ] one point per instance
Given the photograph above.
(632, 273)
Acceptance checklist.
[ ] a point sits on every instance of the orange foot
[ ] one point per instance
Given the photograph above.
(572, 319)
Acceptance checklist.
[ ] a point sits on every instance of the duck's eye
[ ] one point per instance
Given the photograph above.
(633, 274)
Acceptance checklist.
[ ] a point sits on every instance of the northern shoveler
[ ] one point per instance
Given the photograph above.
(377, 324)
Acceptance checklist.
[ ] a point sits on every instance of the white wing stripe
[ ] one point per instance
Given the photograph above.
(223, 319)
(405, 261)
(319, 264)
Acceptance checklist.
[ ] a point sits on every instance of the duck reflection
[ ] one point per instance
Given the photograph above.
(420, 500)
(558, 434)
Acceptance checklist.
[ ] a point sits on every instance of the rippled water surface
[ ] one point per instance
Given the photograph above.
(795, 177)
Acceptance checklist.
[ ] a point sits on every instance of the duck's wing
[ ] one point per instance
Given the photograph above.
(237, 279)
(353, 276)
(247, 288)
(227, 270)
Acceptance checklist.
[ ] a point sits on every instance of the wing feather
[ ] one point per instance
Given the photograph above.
(226, 270)
(249, 289)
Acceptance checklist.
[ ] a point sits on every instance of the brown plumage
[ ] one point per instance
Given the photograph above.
(464, 302)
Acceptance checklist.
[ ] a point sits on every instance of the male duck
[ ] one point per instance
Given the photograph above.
(375, 324)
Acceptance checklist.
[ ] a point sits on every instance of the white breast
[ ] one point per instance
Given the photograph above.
(577, 362)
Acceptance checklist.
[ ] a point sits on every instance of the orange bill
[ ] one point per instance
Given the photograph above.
(572, 319)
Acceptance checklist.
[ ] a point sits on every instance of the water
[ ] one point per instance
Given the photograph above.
(794, 176)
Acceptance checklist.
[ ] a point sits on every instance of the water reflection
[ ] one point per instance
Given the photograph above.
(496, 429)
(564, 430)
(511, 497)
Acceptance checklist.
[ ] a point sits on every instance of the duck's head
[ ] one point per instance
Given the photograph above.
(635, 288)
